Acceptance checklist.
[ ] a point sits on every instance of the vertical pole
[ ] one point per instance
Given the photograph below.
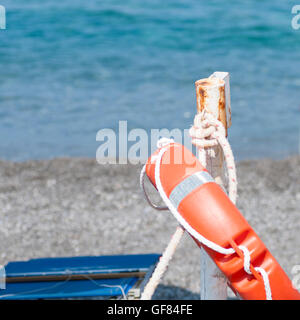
(213, 95)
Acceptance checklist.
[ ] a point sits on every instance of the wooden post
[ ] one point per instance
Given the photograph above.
(213, 94)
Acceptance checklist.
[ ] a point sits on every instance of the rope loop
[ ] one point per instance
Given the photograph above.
(142, 184)
(160, 144)
(208, 132)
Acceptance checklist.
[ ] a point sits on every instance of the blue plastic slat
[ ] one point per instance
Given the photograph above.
(81, 265)
(67, 289)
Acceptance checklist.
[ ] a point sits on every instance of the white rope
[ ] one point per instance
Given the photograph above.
(162, 264)
(266, 282)
(178, 216)
(206, 133)
(247, 259)
(175, 240)
(168, 254)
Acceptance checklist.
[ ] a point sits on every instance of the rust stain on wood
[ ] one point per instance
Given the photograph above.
(202, 98)
(201, 95)
(222, 108)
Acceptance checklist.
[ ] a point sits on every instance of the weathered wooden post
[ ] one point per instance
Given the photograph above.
(213, 95)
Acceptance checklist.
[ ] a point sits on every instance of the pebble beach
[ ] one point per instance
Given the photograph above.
(75, 206)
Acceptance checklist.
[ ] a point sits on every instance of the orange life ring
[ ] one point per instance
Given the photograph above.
(205, 207)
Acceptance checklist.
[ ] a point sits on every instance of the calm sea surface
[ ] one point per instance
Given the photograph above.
(70, 68)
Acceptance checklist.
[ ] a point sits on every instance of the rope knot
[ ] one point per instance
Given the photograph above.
(206, 130)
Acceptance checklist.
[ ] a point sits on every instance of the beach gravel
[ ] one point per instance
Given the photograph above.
(74, 206)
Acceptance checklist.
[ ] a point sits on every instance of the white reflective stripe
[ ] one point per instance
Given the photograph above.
(189, 184)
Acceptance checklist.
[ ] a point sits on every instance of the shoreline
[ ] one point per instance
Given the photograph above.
(74, 206)
(132, 161)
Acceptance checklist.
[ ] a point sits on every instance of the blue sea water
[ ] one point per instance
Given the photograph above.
(70, 68)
